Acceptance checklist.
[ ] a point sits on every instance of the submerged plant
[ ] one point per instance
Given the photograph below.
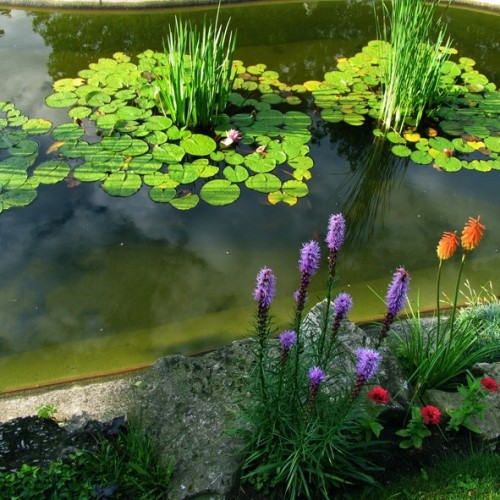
(196, 80)
(414, 64)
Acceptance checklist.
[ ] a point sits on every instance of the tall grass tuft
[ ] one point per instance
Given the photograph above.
(413, 67)
(197, 79)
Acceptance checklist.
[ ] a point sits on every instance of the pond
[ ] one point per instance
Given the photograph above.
(93, 284)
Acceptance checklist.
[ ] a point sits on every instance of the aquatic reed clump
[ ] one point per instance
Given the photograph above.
(197, 77)
(412, 70)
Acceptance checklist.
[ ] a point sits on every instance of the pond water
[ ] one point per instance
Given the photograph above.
(92, 284)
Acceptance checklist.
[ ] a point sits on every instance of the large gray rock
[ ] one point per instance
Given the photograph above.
(489, 426)
(188, 404)
(390, 374)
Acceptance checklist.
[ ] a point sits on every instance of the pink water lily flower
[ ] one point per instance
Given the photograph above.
(232, 136)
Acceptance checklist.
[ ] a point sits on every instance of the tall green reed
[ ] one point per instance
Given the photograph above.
(412, 69)
(197, 78)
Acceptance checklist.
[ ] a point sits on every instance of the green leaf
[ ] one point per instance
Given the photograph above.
(61, 100)
(236, 174)
(401, 151)
(198, 145)
(185, 202)
(122, 183)
(440, 143)
(51, 172)
(116, 143)
(17, 198)
(37, 126)
(264, 183)
(87, 172)
(492, 143)
(295, 188)
(184, 174)
(162, 194)
(168, 153)
(259, 164)
(421, 157)
(67, 132)
(219, 192)
(26, 147)
(448, 163)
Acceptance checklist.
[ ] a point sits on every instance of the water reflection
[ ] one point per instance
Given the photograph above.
(334, 29)
(94, 281)
(367, 192)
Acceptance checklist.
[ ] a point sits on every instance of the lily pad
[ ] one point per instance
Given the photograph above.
(421, 157)
(185, 173)
(185, 202)
(168, 153)
(236, 174)
(17, 198)
(37, 126)
(295, 188)
(51, 172)
(122, 183)
(198, 145)
(448, 163)
(219, 192)
(116, 143)
(264, 183)
(67, 132)
(162, 194)
(259, 164)
(61, 100)
(401, 151)
(26, 147)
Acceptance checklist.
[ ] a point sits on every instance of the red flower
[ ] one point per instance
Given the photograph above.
(490, 384)
(430, 414)
(379, 396)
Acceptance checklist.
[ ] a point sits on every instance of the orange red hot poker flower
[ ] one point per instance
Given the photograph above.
(472, 233)
(447, 245)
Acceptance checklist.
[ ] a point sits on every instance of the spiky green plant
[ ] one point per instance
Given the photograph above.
(196, 80)
(413, 67)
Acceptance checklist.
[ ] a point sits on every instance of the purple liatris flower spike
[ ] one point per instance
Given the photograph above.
(395, 299)
(398, 290)
(316, 375)
(336, 232)
(342, 304)
(308, 264)
(366, 367)
(309, 257)
(287, 340)
(367, 363)
(265, 288)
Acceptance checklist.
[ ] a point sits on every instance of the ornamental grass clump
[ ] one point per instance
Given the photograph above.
(413, 69)
(196, 79)
(307, 424)
(438, 357)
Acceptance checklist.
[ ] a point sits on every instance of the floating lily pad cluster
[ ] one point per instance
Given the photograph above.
(465, 128)
(133, 145)
(18, 153)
